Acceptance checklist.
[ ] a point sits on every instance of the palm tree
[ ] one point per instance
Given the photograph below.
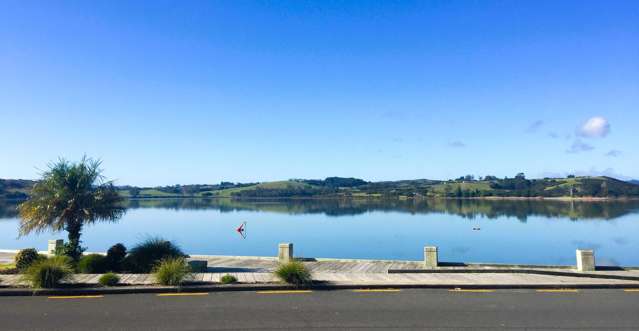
(68, 196)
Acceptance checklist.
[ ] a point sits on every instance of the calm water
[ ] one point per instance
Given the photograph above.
(511, 231)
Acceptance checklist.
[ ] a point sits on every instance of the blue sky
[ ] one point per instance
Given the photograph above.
(204, 91)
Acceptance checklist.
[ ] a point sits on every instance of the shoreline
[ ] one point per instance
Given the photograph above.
(494, 198)
(391, 198)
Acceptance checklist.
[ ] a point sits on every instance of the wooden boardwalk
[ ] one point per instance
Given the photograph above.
(255, 270)
(266, 264)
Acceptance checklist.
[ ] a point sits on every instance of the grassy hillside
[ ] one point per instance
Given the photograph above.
(337, 187)
(15, 188)
(286, 185)
(519, 186)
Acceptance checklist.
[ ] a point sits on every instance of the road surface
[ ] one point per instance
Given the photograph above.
(345, 310)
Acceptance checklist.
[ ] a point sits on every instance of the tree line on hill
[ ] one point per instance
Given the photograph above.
(341, 187)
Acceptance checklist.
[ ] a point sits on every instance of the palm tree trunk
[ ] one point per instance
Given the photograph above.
(73, 249)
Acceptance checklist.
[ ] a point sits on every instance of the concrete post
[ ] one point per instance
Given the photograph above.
(285, 252)
(54, 245)
(430, 257)
(585, 260)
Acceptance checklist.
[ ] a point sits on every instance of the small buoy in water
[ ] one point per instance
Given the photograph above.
(476, 229)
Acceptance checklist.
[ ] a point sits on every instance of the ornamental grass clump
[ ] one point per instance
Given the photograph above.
(48, 273)
(109, 279)
(172, 271)
(146, 255)
(26, 257)
(294, 273)
(228, 279)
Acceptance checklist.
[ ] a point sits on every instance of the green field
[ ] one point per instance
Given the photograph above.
(279, 185)
(7, 266)
(440, 189)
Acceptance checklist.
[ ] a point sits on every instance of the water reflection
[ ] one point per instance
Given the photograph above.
(535, 232)
(470, 209)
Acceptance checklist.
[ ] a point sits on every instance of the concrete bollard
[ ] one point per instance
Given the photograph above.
(198, 265)
(585, 260)
(285, 252)
(54, 245)
(430, 257)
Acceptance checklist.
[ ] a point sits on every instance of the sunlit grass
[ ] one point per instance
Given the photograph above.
(7, 266)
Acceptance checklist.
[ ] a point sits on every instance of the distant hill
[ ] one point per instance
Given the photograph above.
(17, 189)
(340, 187)
(634, 181)
(463, 187)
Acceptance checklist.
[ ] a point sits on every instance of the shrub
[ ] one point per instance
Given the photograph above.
(109, 279)
(146, 255)
(115, 256)
(26, 257)
(92, 264)
(228, 279)
(48, 273)
(293, 273)
(172, 271)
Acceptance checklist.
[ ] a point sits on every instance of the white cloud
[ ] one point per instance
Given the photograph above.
(595, 127)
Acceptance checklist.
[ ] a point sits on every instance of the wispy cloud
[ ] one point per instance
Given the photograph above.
(553, 135)
(614, 153)
(535, 126)
(579, 146)
(595, 127)
(456, 144)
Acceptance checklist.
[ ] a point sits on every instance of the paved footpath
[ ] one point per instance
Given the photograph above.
(258, 270)
(363, 279)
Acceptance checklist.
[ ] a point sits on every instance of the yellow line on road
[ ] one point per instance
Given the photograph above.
(471, 290)
(194, 294)
(285, 292)
(385, 290)
(631, 290)
(565, 290)
(77, 297)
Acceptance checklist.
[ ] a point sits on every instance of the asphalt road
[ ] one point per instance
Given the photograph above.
(405, 309)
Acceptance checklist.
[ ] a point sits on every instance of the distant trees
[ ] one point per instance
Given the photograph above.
(467, 178)
(134, 192)
(337, 182)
